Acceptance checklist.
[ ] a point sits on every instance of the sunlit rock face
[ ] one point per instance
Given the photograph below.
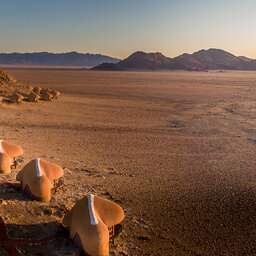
(9, 85)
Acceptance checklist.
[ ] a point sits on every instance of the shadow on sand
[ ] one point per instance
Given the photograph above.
(11, 191)
(49, 239)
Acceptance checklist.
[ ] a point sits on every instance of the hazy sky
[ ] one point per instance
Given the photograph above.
(120, 27)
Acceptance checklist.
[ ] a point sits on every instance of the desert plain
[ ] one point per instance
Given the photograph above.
(175, 149)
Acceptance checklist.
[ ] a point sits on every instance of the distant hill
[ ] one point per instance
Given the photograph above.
(211, 59)
(55, 59)
(148, 61)
(245, 58)
(143, 61)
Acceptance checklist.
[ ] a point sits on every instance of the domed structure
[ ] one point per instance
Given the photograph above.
(8, 154)
(38, 177)
(89, 222)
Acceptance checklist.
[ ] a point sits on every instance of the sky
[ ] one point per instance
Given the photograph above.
(120, 27)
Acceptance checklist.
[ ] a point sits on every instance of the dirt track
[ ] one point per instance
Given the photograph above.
(175, 150)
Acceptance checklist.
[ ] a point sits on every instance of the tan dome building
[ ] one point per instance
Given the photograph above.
(38, 177)
(90, 221)
(8, 154)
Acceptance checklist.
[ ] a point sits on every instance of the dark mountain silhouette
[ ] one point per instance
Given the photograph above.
(55, 59)
(245, 58)
(211, 59)
(252, 65)
(148, 61)
(143, 61)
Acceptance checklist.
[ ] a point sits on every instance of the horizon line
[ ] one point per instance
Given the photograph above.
(102, 54)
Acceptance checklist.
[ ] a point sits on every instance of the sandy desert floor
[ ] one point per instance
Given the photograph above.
(176, 150)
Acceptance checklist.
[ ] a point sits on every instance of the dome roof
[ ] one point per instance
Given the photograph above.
(10, 149)
(37, 177)
(89, 221)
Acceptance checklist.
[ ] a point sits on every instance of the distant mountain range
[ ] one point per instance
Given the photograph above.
(55, 59)
(211, 59)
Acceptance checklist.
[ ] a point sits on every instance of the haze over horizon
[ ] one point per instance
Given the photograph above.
(118, 28)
